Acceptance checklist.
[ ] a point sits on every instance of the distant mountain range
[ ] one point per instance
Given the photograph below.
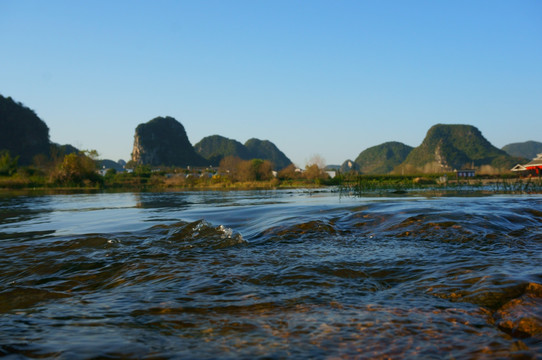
(444, 148)
(163, 141)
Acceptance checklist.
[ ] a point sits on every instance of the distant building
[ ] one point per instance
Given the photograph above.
(519, 167)
(533, 166)
(466, 173)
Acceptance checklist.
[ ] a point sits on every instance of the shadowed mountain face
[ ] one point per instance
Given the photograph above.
(527, 150)
(382, 159)
(215, 148)
(163, 141)
(449, 147)
(22, 132)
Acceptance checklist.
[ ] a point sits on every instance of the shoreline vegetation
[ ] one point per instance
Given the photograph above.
(344, 184)
(79, 172)
(359, 186)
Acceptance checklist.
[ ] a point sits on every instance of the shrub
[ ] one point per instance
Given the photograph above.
(8, 165)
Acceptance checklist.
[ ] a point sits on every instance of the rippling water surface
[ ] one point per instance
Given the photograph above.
(270, 274)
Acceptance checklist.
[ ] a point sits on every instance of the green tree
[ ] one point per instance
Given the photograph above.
(8, 165)
(230, 167)
(143, 170)
(256, 170)
(314, 170)
(289, 173)
(77, 169)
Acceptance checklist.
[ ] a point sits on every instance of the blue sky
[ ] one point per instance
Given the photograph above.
(315, 77)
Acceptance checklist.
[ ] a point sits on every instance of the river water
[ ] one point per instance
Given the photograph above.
(270, 274)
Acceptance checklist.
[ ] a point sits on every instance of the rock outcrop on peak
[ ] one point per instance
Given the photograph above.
(455, 147)
(349, 166)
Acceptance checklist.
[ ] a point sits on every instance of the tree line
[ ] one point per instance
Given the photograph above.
(80, 169)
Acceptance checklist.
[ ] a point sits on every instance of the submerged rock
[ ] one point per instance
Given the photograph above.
(522, 317)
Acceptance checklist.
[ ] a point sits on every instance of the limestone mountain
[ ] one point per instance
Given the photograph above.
(383, 158)
(214, 148)
(453, 147)
(266, 150)
(22, 132)
(163, 141)
(528, 150)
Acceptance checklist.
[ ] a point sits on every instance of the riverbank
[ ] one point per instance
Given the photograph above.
(154, 184)
(352, 184)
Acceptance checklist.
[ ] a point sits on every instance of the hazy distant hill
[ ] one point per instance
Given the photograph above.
(528, 149)
(110, 164)
(214, 148)
(266, 150)
(349, 166)
(22, 132)
(163, 141)
(383, 158)
(452, 147)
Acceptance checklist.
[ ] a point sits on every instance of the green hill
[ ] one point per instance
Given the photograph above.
(527, 150)
(383, 158)
(214, 148)
(266, 150)
(22, 132)
(453, 147)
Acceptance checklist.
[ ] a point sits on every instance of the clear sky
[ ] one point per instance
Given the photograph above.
(315, 77)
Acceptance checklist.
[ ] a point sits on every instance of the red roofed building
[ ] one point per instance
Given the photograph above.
(533, 166)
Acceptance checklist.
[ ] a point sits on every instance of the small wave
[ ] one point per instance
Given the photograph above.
(20, 298)
(199, 234)
(301, 230)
